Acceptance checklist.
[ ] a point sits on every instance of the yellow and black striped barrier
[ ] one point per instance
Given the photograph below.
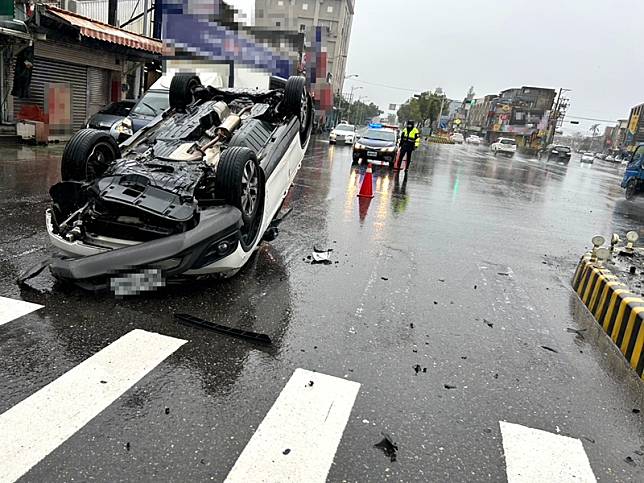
(619, 311)
(439, 140)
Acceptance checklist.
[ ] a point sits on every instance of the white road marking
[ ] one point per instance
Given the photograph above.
(35, 427)
(299, 436)
(534, 455)
(11, 309)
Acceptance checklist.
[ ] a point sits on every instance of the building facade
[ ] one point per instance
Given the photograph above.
(521, 113)
(327, 27)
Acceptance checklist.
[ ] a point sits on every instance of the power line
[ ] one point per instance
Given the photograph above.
(386, 86)
(590, 118)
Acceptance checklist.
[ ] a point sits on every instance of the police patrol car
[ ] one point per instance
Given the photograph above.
(377, 144)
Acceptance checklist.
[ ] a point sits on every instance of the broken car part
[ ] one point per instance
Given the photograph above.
(222, 329)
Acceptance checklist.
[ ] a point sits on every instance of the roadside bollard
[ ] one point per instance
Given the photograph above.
(603, 255)
(631, 238)
(597, 241)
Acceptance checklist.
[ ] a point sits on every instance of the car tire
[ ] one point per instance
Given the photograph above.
(240, 182)
(181, 90)
(297, 102)
(87, 155)
(631, 190)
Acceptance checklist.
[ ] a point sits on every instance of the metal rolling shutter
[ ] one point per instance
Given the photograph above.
(45, 71)
(97, 89)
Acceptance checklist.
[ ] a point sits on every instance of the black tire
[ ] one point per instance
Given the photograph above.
(631, 190)
(87, 155)
(181, 90)
(297, 102)
(241, 183)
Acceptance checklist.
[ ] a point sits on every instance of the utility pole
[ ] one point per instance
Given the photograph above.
(554, 118)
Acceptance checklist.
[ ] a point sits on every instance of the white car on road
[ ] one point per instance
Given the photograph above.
(587, 158)
(473, 139)
(343, 133)
(507, 146)
(457, 137)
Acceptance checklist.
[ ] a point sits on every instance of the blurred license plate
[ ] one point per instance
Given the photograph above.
(137, 282)
(372, 153)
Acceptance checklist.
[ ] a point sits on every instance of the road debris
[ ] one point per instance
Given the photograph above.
(186, 319)
(167, 410)
(549, 349)
(286, 451)
(578, 332)
(321, 256)
(310, 384)
(411, 325)
(489, 324)
(636, 411)
(384, 278)
(449, 386)
(417, 368)
(630, 461)
(388, 447)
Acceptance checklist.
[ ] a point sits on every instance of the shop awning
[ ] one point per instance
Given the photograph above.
(14, 28)
(107, 33)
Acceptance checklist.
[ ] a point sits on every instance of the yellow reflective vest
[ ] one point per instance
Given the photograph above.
(410, 136)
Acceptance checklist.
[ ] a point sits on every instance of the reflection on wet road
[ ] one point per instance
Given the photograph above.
(443, 292)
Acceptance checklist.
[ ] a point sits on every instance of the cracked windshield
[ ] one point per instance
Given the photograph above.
(321, 241)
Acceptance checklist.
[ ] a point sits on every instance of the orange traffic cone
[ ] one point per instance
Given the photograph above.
(397, 163)
(366, 190)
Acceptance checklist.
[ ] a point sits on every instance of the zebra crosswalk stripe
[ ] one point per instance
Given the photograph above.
(11, 309)
(534, 455)
(33, 428)
(299, 436)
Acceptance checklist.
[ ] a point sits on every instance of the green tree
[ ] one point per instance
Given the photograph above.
(422, 108)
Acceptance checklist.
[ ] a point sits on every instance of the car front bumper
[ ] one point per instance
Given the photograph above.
(375, 154)
(211, 247)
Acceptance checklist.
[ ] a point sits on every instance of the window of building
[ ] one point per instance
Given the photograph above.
(302, 28)
(280, 3)
(260, 13)
(305, 6)
(278, 24)
(329, 9)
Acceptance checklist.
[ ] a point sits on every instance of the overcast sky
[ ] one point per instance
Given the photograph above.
(590, 46)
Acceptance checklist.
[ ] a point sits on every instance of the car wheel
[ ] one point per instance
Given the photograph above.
(87, 155)
(297, 102)
(495, 152)
(241, 183)
(181, 90)
(631, 190)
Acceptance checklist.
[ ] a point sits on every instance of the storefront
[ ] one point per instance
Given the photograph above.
(81, 65)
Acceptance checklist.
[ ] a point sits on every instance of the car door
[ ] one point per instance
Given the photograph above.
(634, 167)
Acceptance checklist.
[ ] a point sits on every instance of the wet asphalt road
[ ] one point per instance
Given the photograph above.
(462, 267)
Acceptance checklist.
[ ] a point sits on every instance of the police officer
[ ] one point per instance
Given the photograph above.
(409, 141)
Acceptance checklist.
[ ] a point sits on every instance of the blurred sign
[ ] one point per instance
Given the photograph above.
(457, 122)
(6, 9)
(632, 126)
(392, 107)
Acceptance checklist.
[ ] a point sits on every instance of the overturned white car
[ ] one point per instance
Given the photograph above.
(193, 193)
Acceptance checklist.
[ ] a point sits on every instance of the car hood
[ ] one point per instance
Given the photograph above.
(103, 121)
(375, 143)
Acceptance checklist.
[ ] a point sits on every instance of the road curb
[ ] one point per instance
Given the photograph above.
(618, 311)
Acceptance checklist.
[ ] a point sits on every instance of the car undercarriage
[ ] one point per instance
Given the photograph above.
(203, 181)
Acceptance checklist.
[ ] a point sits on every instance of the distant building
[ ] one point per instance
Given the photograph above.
(635, 128)
(521, 113)
(619, 133)
(327, 26)
(477, 121)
